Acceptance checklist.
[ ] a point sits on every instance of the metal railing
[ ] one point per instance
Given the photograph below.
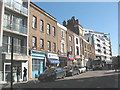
(17, 6)
(17, 49)
(15, 27)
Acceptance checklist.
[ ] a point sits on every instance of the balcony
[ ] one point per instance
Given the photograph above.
(16, 49)
(15, 27)
(17, 6)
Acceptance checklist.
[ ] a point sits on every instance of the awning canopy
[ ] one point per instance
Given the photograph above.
(53, 61)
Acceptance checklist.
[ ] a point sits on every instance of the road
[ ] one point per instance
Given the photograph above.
(90, 79)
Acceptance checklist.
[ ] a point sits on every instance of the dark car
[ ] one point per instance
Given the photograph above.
(73, 70)
(52, 74)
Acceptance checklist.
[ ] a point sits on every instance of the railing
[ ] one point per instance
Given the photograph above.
(15, 27)
(17, 6)
(17, 49)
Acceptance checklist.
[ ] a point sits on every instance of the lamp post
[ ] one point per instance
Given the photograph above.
(12, 64)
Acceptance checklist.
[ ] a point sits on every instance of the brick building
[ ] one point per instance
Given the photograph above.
(42, 40)
(70, 47)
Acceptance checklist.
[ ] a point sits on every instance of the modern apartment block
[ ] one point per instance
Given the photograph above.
(101, 43)
(14, 24)
(62, 44)
(43, 36)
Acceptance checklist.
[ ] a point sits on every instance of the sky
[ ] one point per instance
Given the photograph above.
(97, 16)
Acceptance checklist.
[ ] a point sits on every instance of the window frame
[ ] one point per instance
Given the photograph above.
(34, 22)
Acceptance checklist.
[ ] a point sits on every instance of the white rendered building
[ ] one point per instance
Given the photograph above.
(102, 44)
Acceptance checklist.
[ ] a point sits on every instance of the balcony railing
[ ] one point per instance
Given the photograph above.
(16, 49)
(17, 6)
(15, 27)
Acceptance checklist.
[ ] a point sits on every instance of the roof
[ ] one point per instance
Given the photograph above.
(42, 11)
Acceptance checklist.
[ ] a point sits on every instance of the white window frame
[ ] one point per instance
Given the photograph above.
(34, 22)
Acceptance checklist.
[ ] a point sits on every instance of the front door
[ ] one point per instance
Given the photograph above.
(7, 71)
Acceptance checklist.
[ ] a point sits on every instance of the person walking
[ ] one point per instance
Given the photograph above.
(25, 74)
(18, 74)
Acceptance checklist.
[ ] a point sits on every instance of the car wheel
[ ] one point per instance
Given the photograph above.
(72, 74)
(53, 78)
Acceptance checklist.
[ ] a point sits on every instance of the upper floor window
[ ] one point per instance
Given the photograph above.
(62, 47)
(41, 25)
(49, 46)
(54, 47)
(98, 45)
(76, 41)
(41, 43)
(62, 33)
(34, 43)
(53, 31)
(34, 22)
(48, 28)
(71, 49)
(98, 40)
(77, 50)
(70, 38)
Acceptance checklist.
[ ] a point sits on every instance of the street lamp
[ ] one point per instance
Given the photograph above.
(12, 64)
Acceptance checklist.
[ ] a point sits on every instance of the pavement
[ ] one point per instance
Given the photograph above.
(92, 79)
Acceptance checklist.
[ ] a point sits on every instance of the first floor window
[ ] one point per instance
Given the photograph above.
(34, 43)
(54, 47)
(41, 43)
(71, 49)
(62, 48)
(77, 50)
(49, 46)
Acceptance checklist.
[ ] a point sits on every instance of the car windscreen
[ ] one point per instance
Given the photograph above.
(49, 70)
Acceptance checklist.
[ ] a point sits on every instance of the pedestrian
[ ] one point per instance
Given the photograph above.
(25, 74)
(18, 74)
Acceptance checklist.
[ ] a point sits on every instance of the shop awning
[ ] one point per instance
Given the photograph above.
(53, 61)
(71, 58)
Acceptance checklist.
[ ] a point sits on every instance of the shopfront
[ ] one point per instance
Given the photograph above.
(71, 59)
(38, 63)
(52, 60)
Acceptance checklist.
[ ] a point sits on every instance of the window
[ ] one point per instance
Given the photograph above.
(34, 41)
(54, 47)
(76, 41)
(41, 43)
(70, 38)
(98, 40)
(53, 31)
(98, 45)
(34, 22)
(49, 46)
(62, 34)
(77, 48)
(48, 28)
(41, 25)
(62, 47)
(71, 49)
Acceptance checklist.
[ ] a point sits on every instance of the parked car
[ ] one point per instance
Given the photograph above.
(82, 69)
(52, 74)
(73, 70)
(97, 65)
